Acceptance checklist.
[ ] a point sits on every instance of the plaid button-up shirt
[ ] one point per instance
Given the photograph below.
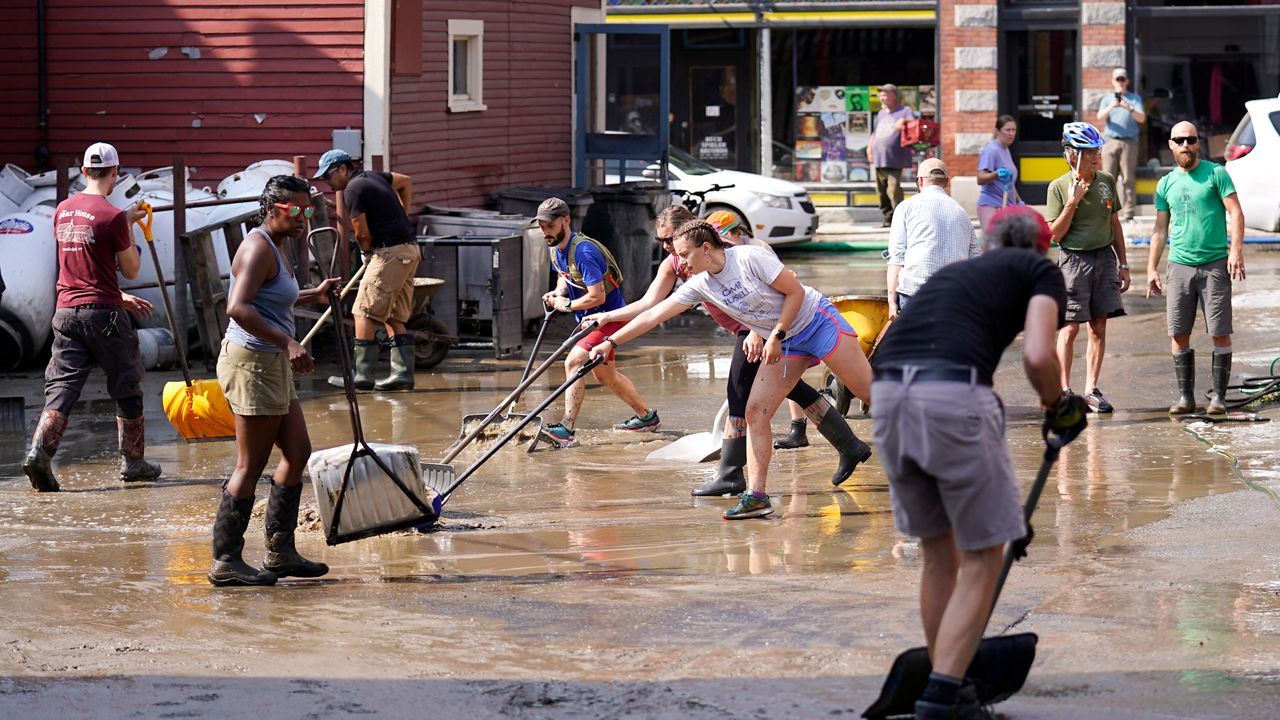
(929, 232)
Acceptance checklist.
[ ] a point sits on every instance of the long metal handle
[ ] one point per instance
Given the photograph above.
(537, 344)
(1051, 450)
(555, 394)
(348, 382)
(531, 379)
(355, 280)
(164, 293)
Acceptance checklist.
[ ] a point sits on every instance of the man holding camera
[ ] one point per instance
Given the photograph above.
(1123, 113)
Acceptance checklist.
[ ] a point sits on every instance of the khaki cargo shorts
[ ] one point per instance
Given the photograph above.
(255, 383)
(942, 445)
(386, 291)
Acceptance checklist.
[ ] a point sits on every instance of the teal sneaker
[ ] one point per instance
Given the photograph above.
(559, 435)
(749, 506)
(648, 423)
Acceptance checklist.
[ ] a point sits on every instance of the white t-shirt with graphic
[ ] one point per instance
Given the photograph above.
(743, 292)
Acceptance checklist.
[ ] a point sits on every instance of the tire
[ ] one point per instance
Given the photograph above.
(428, 354)
(839, 394)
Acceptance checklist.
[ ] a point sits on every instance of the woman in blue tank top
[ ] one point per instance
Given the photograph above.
(255, 369)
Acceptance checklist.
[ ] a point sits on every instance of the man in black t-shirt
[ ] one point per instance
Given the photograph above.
(939, 430)
(377, 204)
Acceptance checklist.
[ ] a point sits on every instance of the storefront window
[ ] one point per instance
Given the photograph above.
(1203, 67)
(825, 101)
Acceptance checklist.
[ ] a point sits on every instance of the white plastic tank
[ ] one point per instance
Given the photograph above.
(250, 181)
(14, 188)
(26, 309)
(162, 230)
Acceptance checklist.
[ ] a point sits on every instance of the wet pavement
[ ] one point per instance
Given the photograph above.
(587, 583)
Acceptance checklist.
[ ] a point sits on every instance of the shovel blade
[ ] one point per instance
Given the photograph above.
(199, 411)
(699, 448)
(999, 669)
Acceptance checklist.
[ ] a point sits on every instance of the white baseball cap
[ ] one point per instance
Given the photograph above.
(101, 155)
(1119, 73)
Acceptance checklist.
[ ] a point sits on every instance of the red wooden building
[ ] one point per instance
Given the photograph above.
(463, 96)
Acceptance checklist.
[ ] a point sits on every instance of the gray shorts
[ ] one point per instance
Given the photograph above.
(942, 446)
(1207, 286)
(1093, 284)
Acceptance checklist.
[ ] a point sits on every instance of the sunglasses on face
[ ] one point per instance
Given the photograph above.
(1185, 140)
(296, 210)
(664, 240)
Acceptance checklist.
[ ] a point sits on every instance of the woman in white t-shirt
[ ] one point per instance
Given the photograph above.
(802, 328)
(805, 401)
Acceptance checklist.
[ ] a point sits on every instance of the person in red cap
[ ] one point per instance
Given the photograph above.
(939, 429)
(91, 324)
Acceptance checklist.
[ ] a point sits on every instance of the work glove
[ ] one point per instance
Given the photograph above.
(1005, 174)
(1066, 419)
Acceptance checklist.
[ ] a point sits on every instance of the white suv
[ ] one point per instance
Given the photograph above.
(1253, 154)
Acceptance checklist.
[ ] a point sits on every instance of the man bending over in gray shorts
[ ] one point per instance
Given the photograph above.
(939, 429)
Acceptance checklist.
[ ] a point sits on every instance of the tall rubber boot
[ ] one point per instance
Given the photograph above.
(132, 434)
(729, 479)
(794, 439)
(38, 464)
(1221, 376)
(282, 519)
(1184, 368)
(852, 450)
(402, 365)
(366, 364)
(228, 567)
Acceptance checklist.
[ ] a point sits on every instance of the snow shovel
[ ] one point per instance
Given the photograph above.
(469, 421)
(466, 438)
(442, 478)
(350, 477)
(1001, 664)
(698, 447)
(197, 408)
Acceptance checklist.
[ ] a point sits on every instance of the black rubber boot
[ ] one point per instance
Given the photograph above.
(852, 450)
(1221, 377)
(282, 519)
(228, 542)
(794, 439)
(402, 365)
(1184, 368)
(132, 435)
(366, 364)
(729, 479)
(38, 464)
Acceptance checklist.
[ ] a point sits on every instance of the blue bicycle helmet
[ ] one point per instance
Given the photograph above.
(1081, 136)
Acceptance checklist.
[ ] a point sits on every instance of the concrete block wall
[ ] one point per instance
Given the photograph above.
(968, 86)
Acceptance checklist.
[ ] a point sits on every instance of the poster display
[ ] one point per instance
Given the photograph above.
(834, 125)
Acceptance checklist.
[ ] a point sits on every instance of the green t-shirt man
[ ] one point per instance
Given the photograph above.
(1197, 215)
(1091, 225)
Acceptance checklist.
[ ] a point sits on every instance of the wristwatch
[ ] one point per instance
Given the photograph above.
(780, 334)
(568, 303)
(1124, 266)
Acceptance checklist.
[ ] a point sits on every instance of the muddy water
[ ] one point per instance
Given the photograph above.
(593, 564)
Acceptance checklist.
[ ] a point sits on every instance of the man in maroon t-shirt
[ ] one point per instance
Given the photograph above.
(91, 325)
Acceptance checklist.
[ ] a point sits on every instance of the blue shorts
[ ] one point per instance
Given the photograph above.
(821, 336)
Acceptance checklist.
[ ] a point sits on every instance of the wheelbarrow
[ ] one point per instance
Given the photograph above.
(431, 338)
(869, 317)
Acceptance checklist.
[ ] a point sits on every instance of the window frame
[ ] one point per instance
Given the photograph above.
(471, 31)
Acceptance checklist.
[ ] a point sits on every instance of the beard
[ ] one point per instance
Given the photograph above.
(554, 240)
(1186, 158)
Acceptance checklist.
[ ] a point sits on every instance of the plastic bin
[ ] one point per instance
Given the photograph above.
(467, 223)
(623, 217)
(525, 201)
